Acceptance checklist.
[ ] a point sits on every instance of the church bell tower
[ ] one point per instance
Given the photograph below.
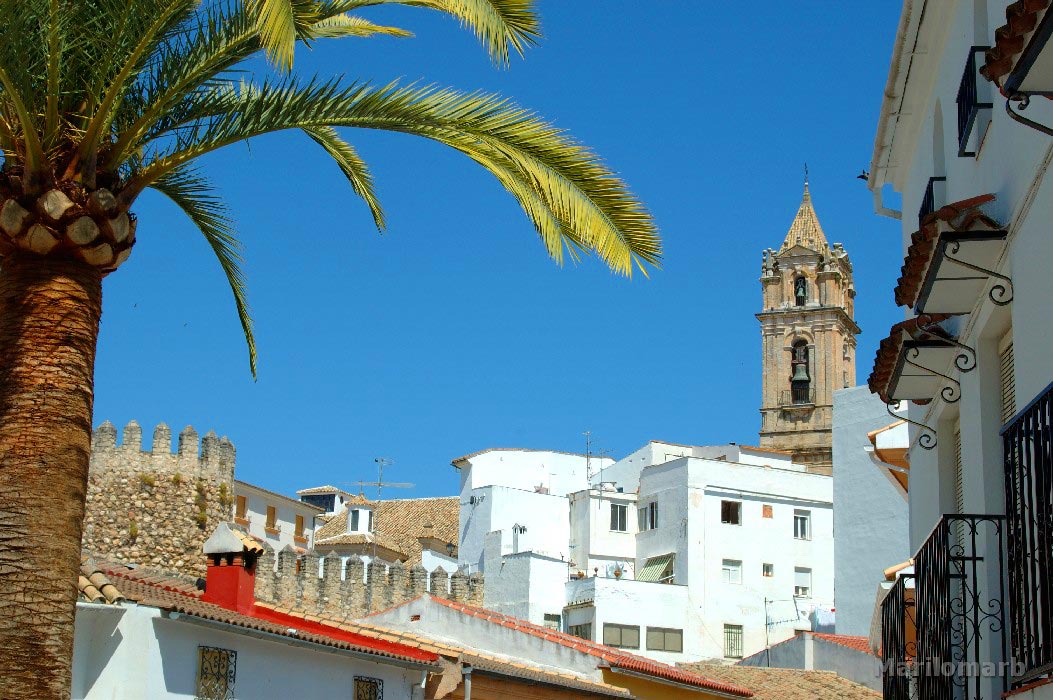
(808, 335)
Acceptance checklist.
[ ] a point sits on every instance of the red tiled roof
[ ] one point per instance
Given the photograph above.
(846, 640)
(889, 350)
(1011, 38)
(961, 216)
(168, 593)
(788, 683)
(613, 657)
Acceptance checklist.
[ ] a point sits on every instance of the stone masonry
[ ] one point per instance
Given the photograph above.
(156, 508)
(331, 587)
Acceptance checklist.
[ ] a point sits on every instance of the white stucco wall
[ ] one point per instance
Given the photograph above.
(134, 652)
(500, 508)
(811, 653)
(258, 499)
(870, 516)
(525, 585)
(594, 546)
(528, 470)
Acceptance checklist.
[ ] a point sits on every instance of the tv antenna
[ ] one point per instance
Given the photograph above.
(381, 462)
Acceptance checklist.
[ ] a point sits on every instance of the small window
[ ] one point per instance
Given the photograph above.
(353, 526)
(621, 636)
(299, 526)
(731, 571)
(766, 511)
(368, 688)
(768, 570)
(733, 641)
(665, 639)
(552, 621)
(802, 582)
(731, 512)
(371, 521)
(582, 631)
(272, 518)
(619, 516)
(216, 671)
(647, 516)
(241, 508)
(802, 524)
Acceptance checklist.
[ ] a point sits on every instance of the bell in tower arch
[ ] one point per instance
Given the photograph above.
(800, 372)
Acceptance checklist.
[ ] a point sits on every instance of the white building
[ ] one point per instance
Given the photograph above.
(676, 552)
(278, 520)
(962, 140)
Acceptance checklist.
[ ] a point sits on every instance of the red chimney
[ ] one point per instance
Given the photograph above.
(231, 578)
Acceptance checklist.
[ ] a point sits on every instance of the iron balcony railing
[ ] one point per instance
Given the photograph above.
(928, 202)
(798, 396)
(969, 104)
(1027, 448)
(959, 601)
(898, 647)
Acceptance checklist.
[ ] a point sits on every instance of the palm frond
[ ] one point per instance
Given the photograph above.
(596, 209)
(196, 197)
(351, 164)
(345, 25)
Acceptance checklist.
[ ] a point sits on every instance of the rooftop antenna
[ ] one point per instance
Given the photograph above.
(381, 462)
(588, 454)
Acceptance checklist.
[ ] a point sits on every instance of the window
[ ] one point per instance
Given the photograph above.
(766, 511)
(733, 641)
(731, 512)
(368, 688)
(621, 636)
(619, 515)
(731, 571)
(299, 526)
(767, 570)
(800, 378)
(665, 639)
(552, 621)
(241, 507)
(800, 291)
(353, 526)
(216, 670)
(583, 631)
(802, 524)
(802, 582)
(648, 516)
(371, 521)
(272, 518)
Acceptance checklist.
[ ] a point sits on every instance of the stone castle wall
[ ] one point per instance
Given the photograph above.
(326, 587)
(157, 507)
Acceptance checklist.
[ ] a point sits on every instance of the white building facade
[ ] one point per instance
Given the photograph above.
(664, 553)
(278, 520)
(964, 137)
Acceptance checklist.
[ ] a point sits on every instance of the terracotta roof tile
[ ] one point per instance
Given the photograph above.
(1009, 39)
(846, 640)
(611, 656)
(400, 523)
(93, 586)
(960, 216)
(786, 683)
(805, 229)
(889, 351)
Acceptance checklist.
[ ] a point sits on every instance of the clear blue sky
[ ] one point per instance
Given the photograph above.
(453, 332)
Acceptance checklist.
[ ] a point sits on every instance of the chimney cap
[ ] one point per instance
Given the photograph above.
(227, 540)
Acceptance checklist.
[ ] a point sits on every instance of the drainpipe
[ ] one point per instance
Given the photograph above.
(467, 671)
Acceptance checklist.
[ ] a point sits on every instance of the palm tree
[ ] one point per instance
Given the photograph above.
(102, 99)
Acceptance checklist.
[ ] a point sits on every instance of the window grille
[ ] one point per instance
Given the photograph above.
(368, 688)
(1005, 357)
(733, 641)
(216, 671)
(665, 639)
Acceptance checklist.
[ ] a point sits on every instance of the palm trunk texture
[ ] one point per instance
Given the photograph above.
(49, 324)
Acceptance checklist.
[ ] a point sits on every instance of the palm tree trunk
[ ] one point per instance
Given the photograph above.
(49, 324)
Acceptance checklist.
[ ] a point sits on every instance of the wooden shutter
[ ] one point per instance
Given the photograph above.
(1005, 360)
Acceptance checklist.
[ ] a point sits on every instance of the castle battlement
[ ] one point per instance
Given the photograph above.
(211, 457)
(333, 587)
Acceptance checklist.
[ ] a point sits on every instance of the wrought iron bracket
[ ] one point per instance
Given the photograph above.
(927, 439)
(1000, 294)
(1024, 101)
(950, 393)
(965, 361)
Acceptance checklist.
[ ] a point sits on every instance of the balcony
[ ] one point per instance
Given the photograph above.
(959, 615)
(1027, 446)
(969, 104)
(797, 396)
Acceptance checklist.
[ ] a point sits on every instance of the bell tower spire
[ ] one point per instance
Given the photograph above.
(808, 334)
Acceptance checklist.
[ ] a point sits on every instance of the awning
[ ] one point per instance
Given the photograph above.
(657, 569)
(951, 261)
(889, 454)
(1021, 60)
(911, 362)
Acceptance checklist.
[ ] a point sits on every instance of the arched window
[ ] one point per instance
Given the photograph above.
(801, 379)
(800, 290)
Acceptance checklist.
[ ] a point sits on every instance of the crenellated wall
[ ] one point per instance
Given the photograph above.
(157, 507)
(327, 587)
